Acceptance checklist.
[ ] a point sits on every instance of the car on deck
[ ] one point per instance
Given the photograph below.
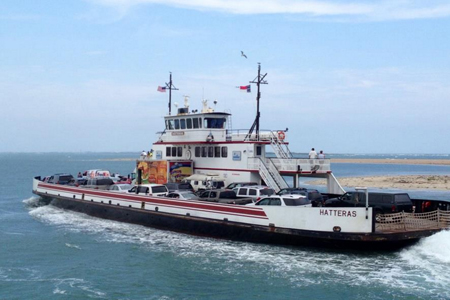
(285, 200)
(120, 187)
(317, 199)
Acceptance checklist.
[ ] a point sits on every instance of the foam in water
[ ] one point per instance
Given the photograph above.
(403, 271)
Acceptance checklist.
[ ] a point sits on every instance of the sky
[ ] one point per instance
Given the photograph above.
(345, 76)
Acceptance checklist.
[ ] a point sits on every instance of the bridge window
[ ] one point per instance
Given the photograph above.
(189, 123)
(177, 124)
(169, 124)
(214, 123)
(197, 122)
(183, 123)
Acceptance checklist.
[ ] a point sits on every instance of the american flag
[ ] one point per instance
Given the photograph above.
(161, 89)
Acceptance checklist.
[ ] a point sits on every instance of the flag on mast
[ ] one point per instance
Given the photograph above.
(161, 89)
(245, 88)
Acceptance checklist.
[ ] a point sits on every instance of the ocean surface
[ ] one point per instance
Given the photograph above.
(50, 253)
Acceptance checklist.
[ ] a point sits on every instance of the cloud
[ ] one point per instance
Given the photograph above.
(376, 10)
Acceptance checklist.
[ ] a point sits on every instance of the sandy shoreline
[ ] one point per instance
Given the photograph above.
(391, 161)
(432, 182)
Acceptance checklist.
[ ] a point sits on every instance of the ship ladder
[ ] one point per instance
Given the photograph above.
(271, 176)
(277, 146)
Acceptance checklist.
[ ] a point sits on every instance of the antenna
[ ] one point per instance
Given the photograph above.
(258, 80)
(171, 87)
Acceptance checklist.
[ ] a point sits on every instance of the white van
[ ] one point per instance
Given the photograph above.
(151, 189)
(205, 182)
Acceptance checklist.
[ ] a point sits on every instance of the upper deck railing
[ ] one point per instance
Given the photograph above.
(294, 164)
(241, 134)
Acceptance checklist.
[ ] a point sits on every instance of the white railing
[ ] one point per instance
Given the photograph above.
(305, 165)
(241, 134)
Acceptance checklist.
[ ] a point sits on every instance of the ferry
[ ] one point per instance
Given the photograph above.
(204, 143)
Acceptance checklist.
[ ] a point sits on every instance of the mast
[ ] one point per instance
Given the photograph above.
(258, 80)
(171, 87)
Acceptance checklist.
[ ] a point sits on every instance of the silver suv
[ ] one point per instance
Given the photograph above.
(256, 192)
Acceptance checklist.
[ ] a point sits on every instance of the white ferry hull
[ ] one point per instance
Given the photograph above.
(243, 223)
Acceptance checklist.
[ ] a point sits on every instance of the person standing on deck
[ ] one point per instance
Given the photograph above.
(321, 155)
(312, 154)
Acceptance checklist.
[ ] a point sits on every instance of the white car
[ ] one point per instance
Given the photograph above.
(183, 195)
(120, 188)
(285, 200)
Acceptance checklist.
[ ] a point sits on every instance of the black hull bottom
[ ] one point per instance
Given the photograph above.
(239, 231)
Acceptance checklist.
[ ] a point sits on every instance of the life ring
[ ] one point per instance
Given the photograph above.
(281, 135)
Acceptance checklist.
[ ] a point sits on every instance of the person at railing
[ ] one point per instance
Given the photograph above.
(321, 156)
(312, 154)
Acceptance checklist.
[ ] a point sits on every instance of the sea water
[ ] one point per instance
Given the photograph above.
(50, 253)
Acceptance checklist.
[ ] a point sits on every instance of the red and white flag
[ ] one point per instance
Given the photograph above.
(245, 88)
(161, 89)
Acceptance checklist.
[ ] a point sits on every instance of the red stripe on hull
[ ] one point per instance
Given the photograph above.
(254, 212)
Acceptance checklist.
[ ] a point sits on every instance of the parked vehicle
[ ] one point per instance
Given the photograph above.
(382, 203)
(203, 182)
(317, 199)
(183, 195)
(151, 189)
(179, 186)
(77, 182)
(223, 196)
(99, 183)
(120, 187)
(60, 178)
(239, 184)
(96, 173)
(286, 200)
(255, 192)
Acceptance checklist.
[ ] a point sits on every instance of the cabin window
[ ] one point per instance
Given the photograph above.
(200, 122)
(177, 124)
(189, 123)
(183, 123)
(174, 151)
(197, 151)
(224, 151)
(252, 192)
(195, 120)
(216, 151)
(168, 151)
(210, 151)
(179, 151)
(214, 123)
(203, 151)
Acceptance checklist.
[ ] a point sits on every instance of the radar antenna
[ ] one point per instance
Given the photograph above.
(258, 80)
